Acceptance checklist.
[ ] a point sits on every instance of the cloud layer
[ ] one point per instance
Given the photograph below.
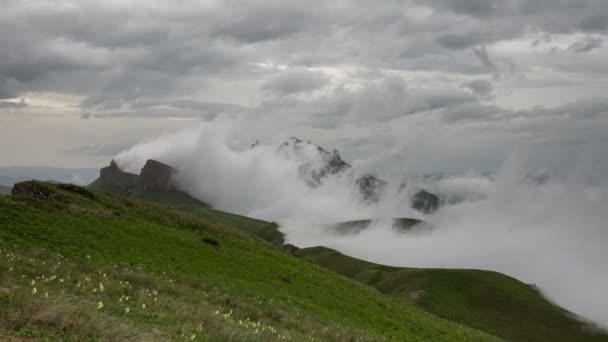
(516, 72)
(546, 230)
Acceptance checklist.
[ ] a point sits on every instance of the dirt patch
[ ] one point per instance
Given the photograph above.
(416, 294)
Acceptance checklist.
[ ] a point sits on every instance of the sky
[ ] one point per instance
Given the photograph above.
(428, 86)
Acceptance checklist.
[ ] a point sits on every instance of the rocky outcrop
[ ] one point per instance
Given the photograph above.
(156, 176)
(425, 201)
(33, 190)
(371, 187)
(112, 175)
(290, 249)
(314, 171)
(400, 225)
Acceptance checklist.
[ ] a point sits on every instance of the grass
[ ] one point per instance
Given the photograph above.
(268, 231)
(488, 301)
(239, 289)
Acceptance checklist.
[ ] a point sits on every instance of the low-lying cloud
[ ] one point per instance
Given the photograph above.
(550, 232)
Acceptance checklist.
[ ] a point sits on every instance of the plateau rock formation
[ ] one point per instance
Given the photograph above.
(112, 175)
(154, 176)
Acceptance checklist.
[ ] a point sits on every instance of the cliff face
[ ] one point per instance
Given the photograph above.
(112, 175)
(426, 202)
(154, 176)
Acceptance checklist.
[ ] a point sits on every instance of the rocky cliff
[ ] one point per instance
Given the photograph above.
(154, 176)
(113, 176)
(319, 164)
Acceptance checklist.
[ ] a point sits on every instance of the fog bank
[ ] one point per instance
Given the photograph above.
(552, 233)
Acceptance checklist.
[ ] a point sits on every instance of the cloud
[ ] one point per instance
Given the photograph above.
(586, 45)
(482, 55)
(501, 221)
(104, 150)
(466, 72)
(482, 87)
(12, 105)
(295, 81)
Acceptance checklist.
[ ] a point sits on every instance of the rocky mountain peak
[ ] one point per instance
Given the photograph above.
(112, 175)
(156, 176)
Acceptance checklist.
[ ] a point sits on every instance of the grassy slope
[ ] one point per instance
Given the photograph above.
(488, 301)
(268, 231)
(162, 249)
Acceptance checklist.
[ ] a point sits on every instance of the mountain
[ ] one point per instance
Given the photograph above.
(155, 184)
(83, 265)
(320, 164)
(227, 282)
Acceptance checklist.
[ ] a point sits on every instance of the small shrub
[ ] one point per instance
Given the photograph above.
(210, 241)
(77, 189)
(286, 279)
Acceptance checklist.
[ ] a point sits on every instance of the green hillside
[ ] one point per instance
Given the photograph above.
(78, 265)
(488, 301)
(268, 231)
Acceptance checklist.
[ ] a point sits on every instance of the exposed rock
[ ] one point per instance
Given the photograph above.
(350, 227)
(313, 174)
(371, 187)
(112, 175)
(425, 201)
(156, 176)
(289, 248)
(401, 225)
(404, 225)
(77, 189)
(334, 164)
(32, 190)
